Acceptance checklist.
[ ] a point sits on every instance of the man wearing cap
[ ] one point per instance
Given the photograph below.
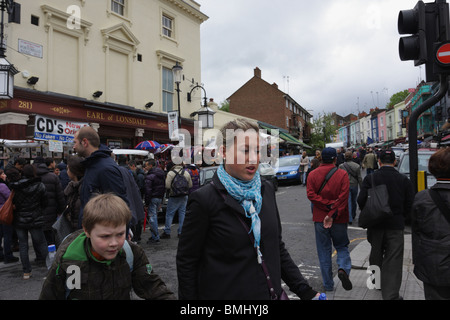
(386, 238)
(330, 216)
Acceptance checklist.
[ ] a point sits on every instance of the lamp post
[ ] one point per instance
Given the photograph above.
(178, 75)
(7, 70)
(205, 114)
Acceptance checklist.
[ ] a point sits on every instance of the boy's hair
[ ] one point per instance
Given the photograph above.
(105, 209)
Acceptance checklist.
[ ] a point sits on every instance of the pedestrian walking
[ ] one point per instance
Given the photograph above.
(75, 171)
(387, 238)
(370, 161)
(102, 174)
(430, 224)
(304, 166)
(155, 188)
(354, 174)
(101, 253)
(6, 231)
(54, 192)
(232, 231)
(29, 201)
(178, 183)
(330, 216)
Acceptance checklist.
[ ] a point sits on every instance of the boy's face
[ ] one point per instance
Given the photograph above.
(107, 240)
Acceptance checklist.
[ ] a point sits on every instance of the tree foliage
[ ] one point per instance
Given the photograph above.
(397, 98)
(323, 130)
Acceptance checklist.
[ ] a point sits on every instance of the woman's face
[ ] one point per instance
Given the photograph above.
(3, 176)
(242, 158)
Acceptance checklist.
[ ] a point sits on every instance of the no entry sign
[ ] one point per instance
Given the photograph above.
(443, 54)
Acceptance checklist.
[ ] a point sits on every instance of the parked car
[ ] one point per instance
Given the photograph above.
(206, 174)
(287, 169)
(423, 158)
(266, 171)
(398, 152)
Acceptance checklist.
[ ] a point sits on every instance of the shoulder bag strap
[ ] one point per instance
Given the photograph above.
(328, 176)
(350, 170)
(445, 210)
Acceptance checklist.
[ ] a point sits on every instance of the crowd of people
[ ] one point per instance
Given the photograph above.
(227, 234)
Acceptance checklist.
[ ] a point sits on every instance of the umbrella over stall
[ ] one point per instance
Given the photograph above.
(148, 145)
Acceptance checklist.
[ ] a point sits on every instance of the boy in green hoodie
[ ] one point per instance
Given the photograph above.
(98, 263)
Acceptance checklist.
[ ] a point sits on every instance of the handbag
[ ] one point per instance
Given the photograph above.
(62, 228)
(377, 208)
(6, 211)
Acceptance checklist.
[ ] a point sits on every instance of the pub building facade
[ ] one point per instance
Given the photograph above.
(38, 116)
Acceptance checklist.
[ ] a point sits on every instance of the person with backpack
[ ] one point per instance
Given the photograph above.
(99, 263)
(178, 182)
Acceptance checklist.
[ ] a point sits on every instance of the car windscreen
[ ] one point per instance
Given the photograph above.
(423, 163)
(289, 162)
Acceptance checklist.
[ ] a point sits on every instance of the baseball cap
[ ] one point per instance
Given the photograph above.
(387, 156)
(329, 154)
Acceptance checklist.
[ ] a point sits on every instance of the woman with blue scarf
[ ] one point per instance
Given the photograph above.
(231, 240)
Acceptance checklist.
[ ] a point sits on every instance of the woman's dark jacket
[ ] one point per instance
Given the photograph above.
(216, 258)
(431, 237)
(30, 201)
(72, 193)
(56, 201)
(155, 184)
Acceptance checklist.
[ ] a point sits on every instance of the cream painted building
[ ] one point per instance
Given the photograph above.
(124, 49)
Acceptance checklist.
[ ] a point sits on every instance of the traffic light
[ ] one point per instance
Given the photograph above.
(413, 47)
(428, 24)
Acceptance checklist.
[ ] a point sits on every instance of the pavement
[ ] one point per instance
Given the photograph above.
(411, 288)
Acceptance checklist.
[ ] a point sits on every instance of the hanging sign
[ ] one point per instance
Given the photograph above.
(56, 129)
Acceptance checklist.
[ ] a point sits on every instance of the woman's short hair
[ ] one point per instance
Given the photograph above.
(238, 124)
(75, 166)
(105, 209)
(439, 163)
(29, 171)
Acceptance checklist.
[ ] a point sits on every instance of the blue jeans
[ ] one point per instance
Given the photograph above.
(353, 194)
(153, 216)
(39, 243)
(173, 205)
(325, 238)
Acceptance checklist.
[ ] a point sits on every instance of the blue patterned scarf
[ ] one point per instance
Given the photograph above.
(248, 194)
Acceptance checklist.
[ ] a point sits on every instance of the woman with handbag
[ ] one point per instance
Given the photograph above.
(29, 201)
(6, 231)
(231, 246)
(431, 230)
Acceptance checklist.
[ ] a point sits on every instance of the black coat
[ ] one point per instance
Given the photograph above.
(30, 201)
(216, 258)
(56, 201)
(431, 238)
(155, 184)
(401, 196)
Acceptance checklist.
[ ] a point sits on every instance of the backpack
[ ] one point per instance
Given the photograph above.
(179, 186)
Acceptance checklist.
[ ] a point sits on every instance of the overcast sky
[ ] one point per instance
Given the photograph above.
(328, 55)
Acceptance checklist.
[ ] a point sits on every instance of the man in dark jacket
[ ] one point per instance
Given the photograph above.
(386, 238)
(102, 174)
(154, 194)
(55, 199)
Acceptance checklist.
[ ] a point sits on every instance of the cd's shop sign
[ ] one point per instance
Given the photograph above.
(56, 129)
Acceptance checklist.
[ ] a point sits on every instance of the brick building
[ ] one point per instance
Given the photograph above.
(265, 102)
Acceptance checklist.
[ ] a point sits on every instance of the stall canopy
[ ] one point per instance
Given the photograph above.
(283, 135)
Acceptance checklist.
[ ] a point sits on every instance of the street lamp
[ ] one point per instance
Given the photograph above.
(205, 113)
(7, 70)
(177, 76)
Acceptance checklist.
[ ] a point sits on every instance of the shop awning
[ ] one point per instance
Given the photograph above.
(284, 135)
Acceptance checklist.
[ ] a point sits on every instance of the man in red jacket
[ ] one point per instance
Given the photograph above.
(330, 216)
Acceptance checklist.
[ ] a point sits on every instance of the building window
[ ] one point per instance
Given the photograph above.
(167, 26)
(118, 6)
(168, 90)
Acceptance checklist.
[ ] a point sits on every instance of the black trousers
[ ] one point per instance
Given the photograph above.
(387, 254)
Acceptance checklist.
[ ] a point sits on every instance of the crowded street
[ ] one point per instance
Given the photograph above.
(298, 235)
